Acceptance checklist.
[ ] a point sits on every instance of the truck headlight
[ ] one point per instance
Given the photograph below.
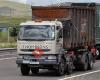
(52, 57)
(26, 57)
(20, 57)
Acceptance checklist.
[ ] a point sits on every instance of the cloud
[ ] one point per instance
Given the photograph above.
(20, 1)
(48, 2)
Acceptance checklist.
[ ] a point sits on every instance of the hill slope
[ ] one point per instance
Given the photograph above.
(13, 9)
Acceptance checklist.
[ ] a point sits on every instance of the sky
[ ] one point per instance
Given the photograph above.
(21, 1)
(48, 2)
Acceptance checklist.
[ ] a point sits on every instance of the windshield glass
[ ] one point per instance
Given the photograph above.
(36, 32)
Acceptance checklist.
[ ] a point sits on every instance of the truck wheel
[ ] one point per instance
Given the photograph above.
(25, 70)
(61, 68)
(98, 54)
(91, 63)
(34, 70)
(85, 62)
(70, 67)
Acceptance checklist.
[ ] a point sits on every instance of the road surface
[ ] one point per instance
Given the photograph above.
(10, 71)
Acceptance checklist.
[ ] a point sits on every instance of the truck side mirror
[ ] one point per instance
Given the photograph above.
(58, 27)
(58, 40)
(60, 33)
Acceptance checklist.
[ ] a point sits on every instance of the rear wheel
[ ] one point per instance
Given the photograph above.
(98, 54)
(91, 63)
(90, 66)
(85, 62)
(25, 70)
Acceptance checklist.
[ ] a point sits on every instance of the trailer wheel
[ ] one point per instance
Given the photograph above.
(85, 62)
(25, 70)
(34, 70)
(61, 68)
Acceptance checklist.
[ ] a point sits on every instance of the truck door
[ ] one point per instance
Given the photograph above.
(59, 40)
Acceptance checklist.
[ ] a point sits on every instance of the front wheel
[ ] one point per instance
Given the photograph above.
(61, 68)
(69, 66)
(25, 70)
(34, 70)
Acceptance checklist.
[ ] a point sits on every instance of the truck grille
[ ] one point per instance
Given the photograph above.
(30, 50)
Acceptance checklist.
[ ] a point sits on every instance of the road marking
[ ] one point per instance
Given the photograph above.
(7, 54)
(7, 58)
(79, 75)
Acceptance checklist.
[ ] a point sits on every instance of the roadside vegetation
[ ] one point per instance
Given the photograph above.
(11, 15)
(8, 38)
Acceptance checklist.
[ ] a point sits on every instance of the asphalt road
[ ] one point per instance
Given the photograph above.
(10, 71)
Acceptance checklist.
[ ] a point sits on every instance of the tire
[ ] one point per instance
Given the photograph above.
(85, 62)
(25, 70)
(34, 70)
(70, 66)
(61, 68)
(91, 63)
(77, 67)
(77, 62)
(98, 54)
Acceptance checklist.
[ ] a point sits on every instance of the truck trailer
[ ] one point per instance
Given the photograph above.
(59, 38)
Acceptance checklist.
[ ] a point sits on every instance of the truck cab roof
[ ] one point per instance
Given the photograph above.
(57, 23)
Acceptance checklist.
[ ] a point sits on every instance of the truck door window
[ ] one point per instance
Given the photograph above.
(60, 33)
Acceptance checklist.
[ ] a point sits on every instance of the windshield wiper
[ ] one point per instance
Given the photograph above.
(33, 39)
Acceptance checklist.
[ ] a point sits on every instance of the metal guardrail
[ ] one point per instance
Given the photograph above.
(8, 49)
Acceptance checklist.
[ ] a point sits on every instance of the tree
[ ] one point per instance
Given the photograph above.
(13, 31)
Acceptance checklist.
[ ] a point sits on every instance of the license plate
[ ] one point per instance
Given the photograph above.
(34, 62)
(25, 61)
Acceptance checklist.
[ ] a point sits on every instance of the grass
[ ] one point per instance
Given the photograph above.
(18, 9)
(22, 13)
(14, 5)
(8, 45)
(13, 20)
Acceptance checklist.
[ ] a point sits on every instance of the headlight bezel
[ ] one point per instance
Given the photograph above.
(50, 57)
(20, 57)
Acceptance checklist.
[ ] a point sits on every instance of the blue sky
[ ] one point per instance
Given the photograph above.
(46, 2)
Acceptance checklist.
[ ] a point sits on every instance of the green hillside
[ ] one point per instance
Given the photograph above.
(13, 12)
(11, 15)
(17, 9)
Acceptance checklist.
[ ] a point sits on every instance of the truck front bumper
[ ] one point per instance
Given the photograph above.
(38, 62)
(22, 61)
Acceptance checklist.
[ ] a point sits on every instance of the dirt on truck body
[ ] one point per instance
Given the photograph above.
(80, 32)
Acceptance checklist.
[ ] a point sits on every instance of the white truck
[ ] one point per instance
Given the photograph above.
(62, 45)
(40, 36)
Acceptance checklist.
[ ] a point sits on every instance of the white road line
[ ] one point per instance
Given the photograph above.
(79, 75)
(7, 54)
(7, 58)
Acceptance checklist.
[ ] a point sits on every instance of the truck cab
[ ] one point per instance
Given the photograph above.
(38, 45)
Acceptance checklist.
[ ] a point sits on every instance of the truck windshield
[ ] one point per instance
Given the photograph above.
(36, 32)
